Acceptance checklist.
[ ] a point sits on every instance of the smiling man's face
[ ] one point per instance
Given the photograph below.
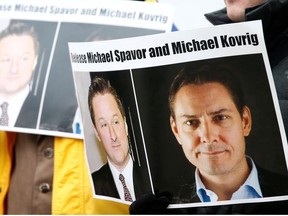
(111, 129)
(209, 128)
(17, 63)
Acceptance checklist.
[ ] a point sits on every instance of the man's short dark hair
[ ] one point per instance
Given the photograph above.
(101, 86)
(20, 29)
(208, 73)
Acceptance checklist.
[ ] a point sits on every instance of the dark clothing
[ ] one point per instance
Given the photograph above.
(271, 184)
(274, 16)
(104, 183)
(279, 207)
(28, 115)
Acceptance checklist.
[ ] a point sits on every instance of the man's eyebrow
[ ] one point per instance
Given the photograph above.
(100, 119)
(189, 116)
(216, 112)
(113, 116)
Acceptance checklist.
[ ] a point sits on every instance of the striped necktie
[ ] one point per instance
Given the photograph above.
(4, 119)
(127, 194)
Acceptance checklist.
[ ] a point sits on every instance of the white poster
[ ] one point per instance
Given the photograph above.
(195, 111)
(37, 93)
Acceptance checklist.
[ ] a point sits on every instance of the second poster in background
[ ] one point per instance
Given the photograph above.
(39, 90)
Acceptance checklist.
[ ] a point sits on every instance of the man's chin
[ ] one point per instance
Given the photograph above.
(214, 170)
(11, 90)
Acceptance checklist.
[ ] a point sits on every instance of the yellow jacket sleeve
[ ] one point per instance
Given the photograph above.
(6, 141)
(72, 190)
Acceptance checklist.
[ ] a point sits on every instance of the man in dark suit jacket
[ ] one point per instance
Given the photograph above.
(28, 115)
(104, 183)
(19, 54)
(108, 117)
(271, 184)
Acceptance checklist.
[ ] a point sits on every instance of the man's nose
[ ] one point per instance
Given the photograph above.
(208, 133)
(113, 135)
(14, 66)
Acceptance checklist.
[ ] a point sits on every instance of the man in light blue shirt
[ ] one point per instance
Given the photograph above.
(250, 188)
(210, 121)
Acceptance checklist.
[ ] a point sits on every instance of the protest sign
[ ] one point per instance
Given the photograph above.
(142, 70)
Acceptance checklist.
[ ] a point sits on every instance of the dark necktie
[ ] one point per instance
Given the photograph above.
(127, 194)
(4, 119)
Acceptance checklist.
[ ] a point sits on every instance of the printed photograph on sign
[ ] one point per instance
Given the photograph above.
(115, 125)
(217, 126)
(25, 47)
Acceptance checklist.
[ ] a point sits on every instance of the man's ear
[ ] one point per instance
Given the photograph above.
(246, 120)
(174, 129)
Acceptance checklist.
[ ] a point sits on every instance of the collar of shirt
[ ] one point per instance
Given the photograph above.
(128, 175)
(15, 104)
(250, 188)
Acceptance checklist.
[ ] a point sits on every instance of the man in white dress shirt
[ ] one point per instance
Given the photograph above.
(18, 59)
(108, 116)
